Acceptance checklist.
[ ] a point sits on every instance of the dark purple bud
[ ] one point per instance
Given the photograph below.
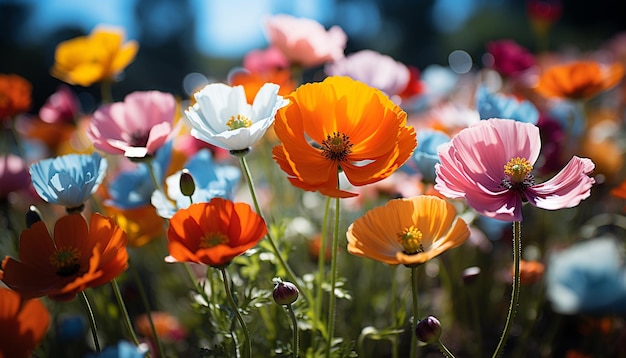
(428, 330)
(285, 293)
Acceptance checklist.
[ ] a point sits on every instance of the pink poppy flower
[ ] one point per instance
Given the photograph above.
(509, 58)
(267, 60)
(305, 42)
(490, 164)
(61, 107)
(13, 174)
(136, 127)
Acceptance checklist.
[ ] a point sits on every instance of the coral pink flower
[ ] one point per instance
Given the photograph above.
(305, 42)
(490, 163)
(136, 127)
(266, 60)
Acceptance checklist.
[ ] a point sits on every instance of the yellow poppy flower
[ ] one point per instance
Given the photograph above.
(98, 57)
(407, 231)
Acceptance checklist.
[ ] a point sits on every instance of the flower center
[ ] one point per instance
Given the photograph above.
(139, 139)
(411, 240)
(336, 147)
(238, 121)
(213, 239)
(66, 260)
(517, 171)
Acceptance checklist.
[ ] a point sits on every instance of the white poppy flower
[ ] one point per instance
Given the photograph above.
(223, 117)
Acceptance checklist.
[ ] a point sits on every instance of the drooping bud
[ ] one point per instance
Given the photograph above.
(187, 184)
(428, 330)
(32, 216)
(285, 293)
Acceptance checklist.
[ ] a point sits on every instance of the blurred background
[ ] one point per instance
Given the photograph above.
(210, 37)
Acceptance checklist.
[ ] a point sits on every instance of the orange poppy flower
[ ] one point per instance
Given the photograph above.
(25, 324)
(340, 124)
(253, 81)
(407, 231)
(100, 56)
(15, 95)
(141, 224)
(167, 326)
(213, 233)
(579, 80)
(77, 258)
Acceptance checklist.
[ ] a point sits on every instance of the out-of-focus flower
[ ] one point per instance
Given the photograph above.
(252, 82)
(305, 42)
(530, 272)
(450, 118)
(167, 326)
(100, 56)
(15, 95)
(579, 80)
(133, 188)
(509, 58)
(13, 174)
(490, 165)
(588, 277)
(123, 349)
(425, 156)
(267, 60)
(222, 116)
(341, 124)
(493, 105)
(543, 13)
(25, 324)
(136, 127)
(211, 180)
(68, 180)
(374, 69)
(75, 258)
(141, 224)
(407, 231)
(61, 107)
(213, 233)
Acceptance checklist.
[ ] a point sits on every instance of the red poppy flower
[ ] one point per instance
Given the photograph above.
(213, 233)
(76, 258)
(15, 95)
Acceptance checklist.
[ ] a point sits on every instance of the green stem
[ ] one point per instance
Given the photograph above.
(394, 311)
(106, 94)
(446, 352)
(126, 317)
(147, 308)
(233, 305)
(290, 274)
(333, 282)
(415, 311)
(517, 251)
(296, 339)
(155, 181)
(92, 320)
(321, 263)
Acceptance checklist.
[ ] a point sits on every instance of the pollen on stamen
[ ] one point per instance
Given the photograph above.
(411, 240)
(238, 121)
(213, 239)
(518, 169)
(66, 260)
(336, 147)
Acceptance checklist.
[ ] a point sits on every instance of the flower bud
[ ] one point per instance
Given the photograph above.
(285, 293)
(187, 185)
(428, 330)
(32, 216)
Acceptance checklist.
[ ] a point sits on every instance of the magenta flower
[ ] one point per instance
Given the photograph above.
(509, 58)
(61, 107)
(490, 164)
(305, 42)
(136, 127)
(13, 174)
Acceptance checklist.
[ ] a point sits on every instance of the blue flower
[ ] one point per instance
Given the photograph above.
(133, 189)
(211, 180)
(425, 156)
(122, 350)
(492, 105)
(588, 278)
(68, 180)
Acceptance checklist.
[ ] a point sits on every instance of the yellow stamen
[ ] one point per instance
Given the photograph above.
(518, 169)
(336, 147)
(66, 260)
(239, 121)
(411, 240)
(213, 239)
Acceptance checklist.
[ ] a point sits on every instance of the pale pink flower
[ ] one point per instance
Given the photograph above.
(490, 164)
(305, 42)
(136, 127)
